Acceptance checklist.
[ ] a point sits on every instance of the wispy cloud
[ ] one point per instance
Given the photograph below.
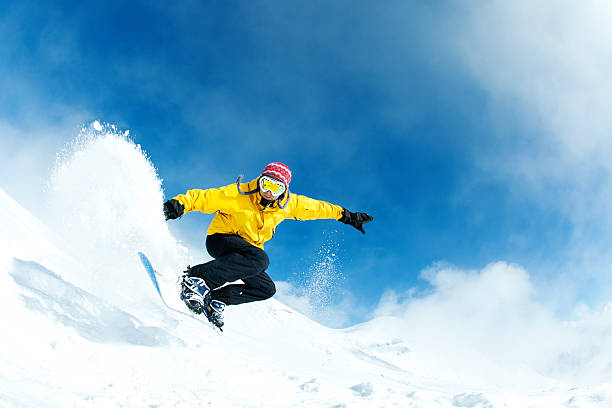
(545, 69)
(35, 122)
(550, 65)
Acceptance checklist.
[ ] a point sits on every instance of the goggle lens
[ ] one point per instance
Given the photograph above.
(273, 186)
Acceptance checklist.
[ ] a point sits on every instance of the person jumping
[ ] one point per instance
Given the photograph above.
(246, 217)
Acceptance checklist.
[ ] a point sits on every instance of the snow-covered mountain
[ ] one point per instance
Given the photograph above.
(82, 325)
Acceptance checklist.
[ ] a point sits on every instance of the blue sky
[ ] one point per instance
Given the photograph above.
(471, 134)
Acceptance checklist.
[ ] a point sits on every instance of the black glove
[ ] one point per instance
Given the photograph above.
(355, 219)
(173, 209)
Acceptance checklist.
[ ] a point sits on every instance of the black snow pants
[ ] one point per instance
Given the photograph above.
(235, 259)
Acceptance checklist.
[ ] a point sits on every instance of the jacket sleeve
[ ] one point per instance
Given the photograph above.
(305, 208)
(207, 201)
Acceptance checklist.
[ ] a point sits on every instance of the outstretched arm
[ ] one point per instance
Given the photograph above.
(207, 201)
(183, 203)
(305, 208)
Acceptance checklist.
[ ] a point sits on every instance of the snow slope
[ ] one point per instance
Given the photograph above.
(82, 325)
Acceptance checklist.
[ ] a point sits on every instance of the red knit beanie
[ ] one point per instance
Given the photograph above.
(278, 171)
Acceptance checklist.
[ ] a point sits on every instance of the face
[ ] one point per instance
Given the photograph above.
(268, 195)
(268, 186)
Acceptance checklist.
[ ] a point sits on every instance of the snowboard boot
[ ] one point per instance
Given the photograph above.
(193, 302)
(193, 291)
(214, 310)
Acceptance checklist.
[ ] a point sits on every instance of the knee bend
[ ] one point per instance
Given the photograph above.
(269, 290)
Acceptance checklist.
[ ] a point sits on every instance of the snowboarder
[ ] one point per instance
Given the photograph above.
(246, 216)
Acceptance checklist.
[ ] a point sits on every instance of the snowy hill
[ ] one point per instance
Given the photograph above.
(68, 347)
(83, 327)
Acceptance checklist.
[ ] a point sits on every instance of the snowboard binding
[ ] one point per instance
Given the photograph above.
(196, 296)
(214, 310)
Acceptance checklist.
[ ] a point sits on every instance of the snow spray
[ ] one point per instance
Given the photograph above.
(317, 290)
(321, 280)
(105, 199)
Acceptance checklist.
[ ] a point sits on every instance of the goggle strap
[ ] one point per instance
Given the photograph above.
(278, 201)
(238, 181)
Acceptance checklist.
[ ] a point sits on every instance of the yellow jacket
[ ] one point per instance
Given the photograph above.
(244, 215)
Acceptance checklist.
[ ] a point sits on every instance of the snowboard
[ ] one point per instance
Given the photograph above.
(152, 273)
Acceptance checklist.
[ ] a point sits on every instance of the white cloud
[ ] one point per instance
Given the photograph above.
(489, 326)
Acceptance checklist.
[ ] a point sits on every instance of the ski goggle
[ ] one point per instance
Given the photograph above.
(276, 187)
